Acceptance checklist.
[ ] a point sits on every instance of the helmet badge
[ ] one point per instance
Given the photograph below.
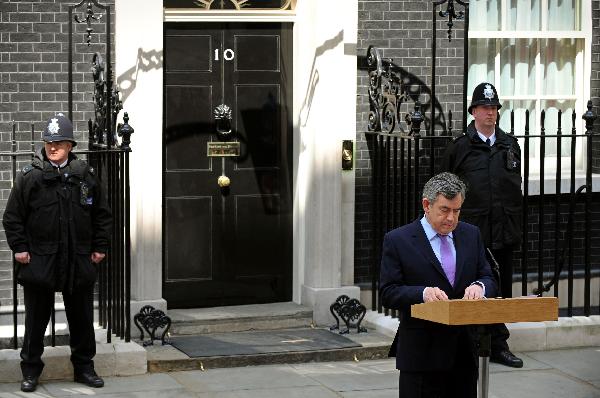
(488, 93)
(53, 126)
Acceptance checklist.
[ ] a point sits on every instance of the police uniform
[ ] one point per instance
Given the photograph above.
(494, 197)
(60, 217)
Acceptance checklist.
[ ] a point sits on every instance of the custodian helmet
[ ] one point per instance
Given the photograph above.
(485, 94)
(58, 128)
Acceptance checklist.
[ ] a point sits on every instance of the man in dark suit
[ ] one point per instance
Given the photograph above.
(435, 258)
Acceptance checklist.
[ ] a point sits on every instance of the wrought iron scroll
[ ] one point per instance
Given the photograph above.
(351, 311)
(100, 130)
(386, 93)
(149, 319)
(89, 17)
(452, 15)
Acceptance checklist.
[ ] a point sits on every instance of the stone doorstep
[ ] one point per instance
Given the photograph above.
(239, 318)
(112, 359)
(567, 332)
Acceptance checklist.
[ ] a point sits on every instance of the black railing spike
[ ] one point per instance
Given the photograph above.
(416, 118)
(125, 131)
(512, 122)
(589, 116)
(450, 126)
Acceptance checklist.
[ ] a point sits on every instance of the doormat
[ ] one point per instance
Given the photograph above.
(260, 342)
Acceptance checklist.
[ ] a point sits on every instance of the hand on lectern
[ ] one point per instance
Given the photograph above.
(434, 294)
(473, 292)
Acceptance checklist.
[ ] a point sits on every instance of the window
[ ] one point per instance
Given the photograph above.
(537, 54)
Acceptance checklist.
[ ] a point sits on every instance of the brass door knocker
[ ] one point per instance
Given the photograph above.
(223, 121)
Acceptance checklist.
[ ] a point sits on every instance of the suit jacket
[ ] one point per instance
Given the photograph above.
(408, 265)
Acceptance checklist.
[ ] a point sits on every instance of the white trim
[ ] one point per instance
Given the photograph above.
(526, 34)
(194, 15)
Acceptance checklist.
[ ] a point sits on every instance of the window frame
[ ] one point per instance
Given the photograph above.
(582, 75)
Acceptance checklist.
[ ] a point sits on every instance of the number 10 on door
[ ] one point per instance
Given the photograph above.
(228, 54)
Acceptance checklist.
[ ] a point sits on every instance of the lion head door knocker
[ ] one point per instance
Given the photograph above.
(223, 122)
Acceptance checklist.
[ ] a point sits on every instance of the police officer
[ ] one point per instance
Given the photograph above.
(58, 225)
(489, 161)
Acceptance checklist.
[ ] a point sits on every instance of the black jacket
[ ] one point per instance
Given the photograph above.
(60, 217)
(493, 177)
(408, 265)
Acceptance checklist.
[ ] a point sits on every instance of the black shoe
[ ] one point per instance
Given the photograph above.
(90, 378)
(29, 383)
(507, 358)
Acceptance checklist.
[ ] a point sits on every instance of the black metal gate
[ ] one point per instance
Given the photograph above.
(402, 160)
(111, 160)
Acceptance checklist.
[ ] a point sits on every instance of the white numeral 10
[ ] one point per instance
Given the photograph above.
(228, 54)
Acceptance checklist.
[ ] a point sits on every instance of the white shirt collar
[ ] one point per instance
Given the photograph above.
(60, 166)
(429, 231)
(491, 137)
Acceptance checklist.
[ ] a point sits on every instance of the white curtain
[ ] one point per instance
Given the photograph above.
(561, 14)
(484, 15)
(558, 60)
(524, 15)
(517, 66)
(481, 62)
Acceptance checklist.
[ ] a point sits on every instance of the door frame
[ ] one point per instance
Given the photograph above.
(284, 16)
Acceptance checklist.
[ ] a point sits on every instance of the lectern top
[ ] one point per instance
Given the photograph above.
(488, 311)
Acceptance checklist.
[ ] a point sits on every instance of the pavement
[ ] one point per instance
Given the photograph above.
(571, 373)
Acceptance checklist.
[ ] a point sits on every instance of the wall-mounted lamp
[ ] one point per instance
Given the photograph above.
(347, 154)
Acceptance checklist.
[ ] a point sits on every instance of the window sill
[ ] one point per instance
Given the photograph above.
(565, 183)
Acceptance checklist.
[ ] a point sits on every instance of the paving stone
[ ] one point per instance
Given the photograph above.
(294, 392)
(180, 393)
(242, 379)
(537, 383)
(355, 377)
(388, 393)
(583, 364)
(116, 385)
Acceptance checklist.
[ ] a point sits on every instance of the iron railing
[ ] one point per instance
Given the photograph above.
(402, 163)
(114, 273)
(111, 160)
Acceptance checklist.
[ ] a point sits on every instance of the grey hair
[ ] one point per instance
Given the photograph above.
(447, 184)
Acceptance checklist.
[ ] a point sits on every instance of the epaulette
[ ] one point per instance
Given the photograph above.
(27, 169)
(458, 137)
(512, 136)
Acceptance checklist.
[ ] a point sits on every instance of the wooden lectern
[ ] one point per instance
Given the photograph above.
(485, 312)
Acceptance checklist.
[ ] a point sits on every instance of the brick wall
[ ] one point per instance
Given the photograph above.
(402, 29)
(34, 83)
(595, 83)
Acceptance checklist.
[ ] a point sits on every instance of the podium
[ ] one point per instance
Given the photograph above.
(486, 312)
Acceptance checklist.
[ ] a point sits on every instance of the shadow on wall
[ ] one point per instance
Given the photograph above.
(327, 45)
(416, 89)
(145, 61)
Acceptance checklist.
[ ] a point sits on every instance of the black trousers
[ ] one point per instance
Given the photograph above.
(499, 332)
(460, 381)
(79, 308)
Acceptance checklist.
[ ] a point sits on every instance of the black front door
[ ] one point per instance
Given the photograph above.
(227, 118)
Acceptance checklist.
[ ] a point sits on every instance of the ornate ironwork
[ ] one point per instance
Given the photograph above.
(451, 14)
(89, 17)
(99, 130)
(150, 319)
(125, 130)
(351, 311)
(386, 93)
